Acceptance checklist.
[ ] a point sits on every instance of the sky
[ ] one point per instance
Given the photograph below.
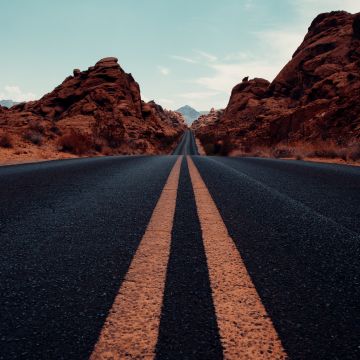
(179, 51)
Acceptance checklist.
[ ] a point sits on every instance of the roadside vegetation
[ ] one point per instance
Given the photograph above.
(5, 141)
(76, 143)
(328, 150)
(301, 151)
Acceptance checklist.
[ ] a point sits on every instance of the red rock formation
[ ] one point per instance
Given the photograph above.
(209, 120)
(102, 104)
(314, 97)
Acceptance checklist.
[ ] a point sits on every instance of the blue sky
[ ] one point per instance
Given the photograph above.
(179, 51)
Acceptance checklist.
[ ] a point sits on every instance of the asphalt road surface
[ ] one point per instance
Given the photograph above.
(75, 233)
(187, 145)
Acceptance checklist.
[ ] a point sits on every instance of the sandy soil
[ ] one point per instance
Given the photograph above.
(200, 147)
(312, 159)
(26, 153)
(327, 161)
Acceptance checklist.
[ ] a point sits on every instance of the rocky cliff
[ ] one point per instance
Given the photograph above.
(314, 98)
(94, 111)
(211, 119)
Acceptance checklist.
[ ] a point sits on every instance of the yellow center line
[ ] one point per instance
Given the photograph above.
(132, 326)
(246, 330)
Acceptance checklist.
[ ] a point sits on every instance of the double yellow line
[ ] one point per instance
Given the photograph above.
(132, 326)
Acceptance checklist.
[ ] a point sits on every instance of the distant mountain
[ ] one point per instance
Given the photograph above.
(190, 114)
(8, 103)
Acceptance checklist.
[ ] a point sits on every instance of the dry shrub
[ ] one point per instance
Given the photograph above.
(36, 127)
(254, 151)
(354, 152)
(208, 142)
(98, 146)
(107, 151)
(209, 149)
(75, 143)
(221, 147)
(5, 141)
(324, 150)
(327, 150)
(33, 136)
(302, 150)
(55, 130)
(109, 127)
(282, 151)
(225, 146)
(343, 154)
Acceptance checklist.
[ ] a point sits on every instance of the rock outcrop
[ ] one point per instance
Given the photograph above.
(211, 119)
(315, 97)
(101, 106)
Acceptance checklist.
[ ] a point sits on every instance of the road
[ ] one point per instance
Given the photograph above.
(179, 257)
(187, 145)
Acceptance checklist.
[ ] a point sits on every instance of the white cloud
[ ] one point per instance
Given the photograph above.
(238, 56)
(164, 70)
(281, 43)
(232, 68)
(206, 56)
(145, 98)
(198, 94)
(249, 4)
(226, 76)
(14, 92)
(184, 59)
(165, 102)
(199, 56)
(273, 48)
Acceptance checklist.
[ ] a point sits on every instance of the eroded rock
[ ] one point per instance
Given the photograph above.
(314, 97)
(103, 103)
